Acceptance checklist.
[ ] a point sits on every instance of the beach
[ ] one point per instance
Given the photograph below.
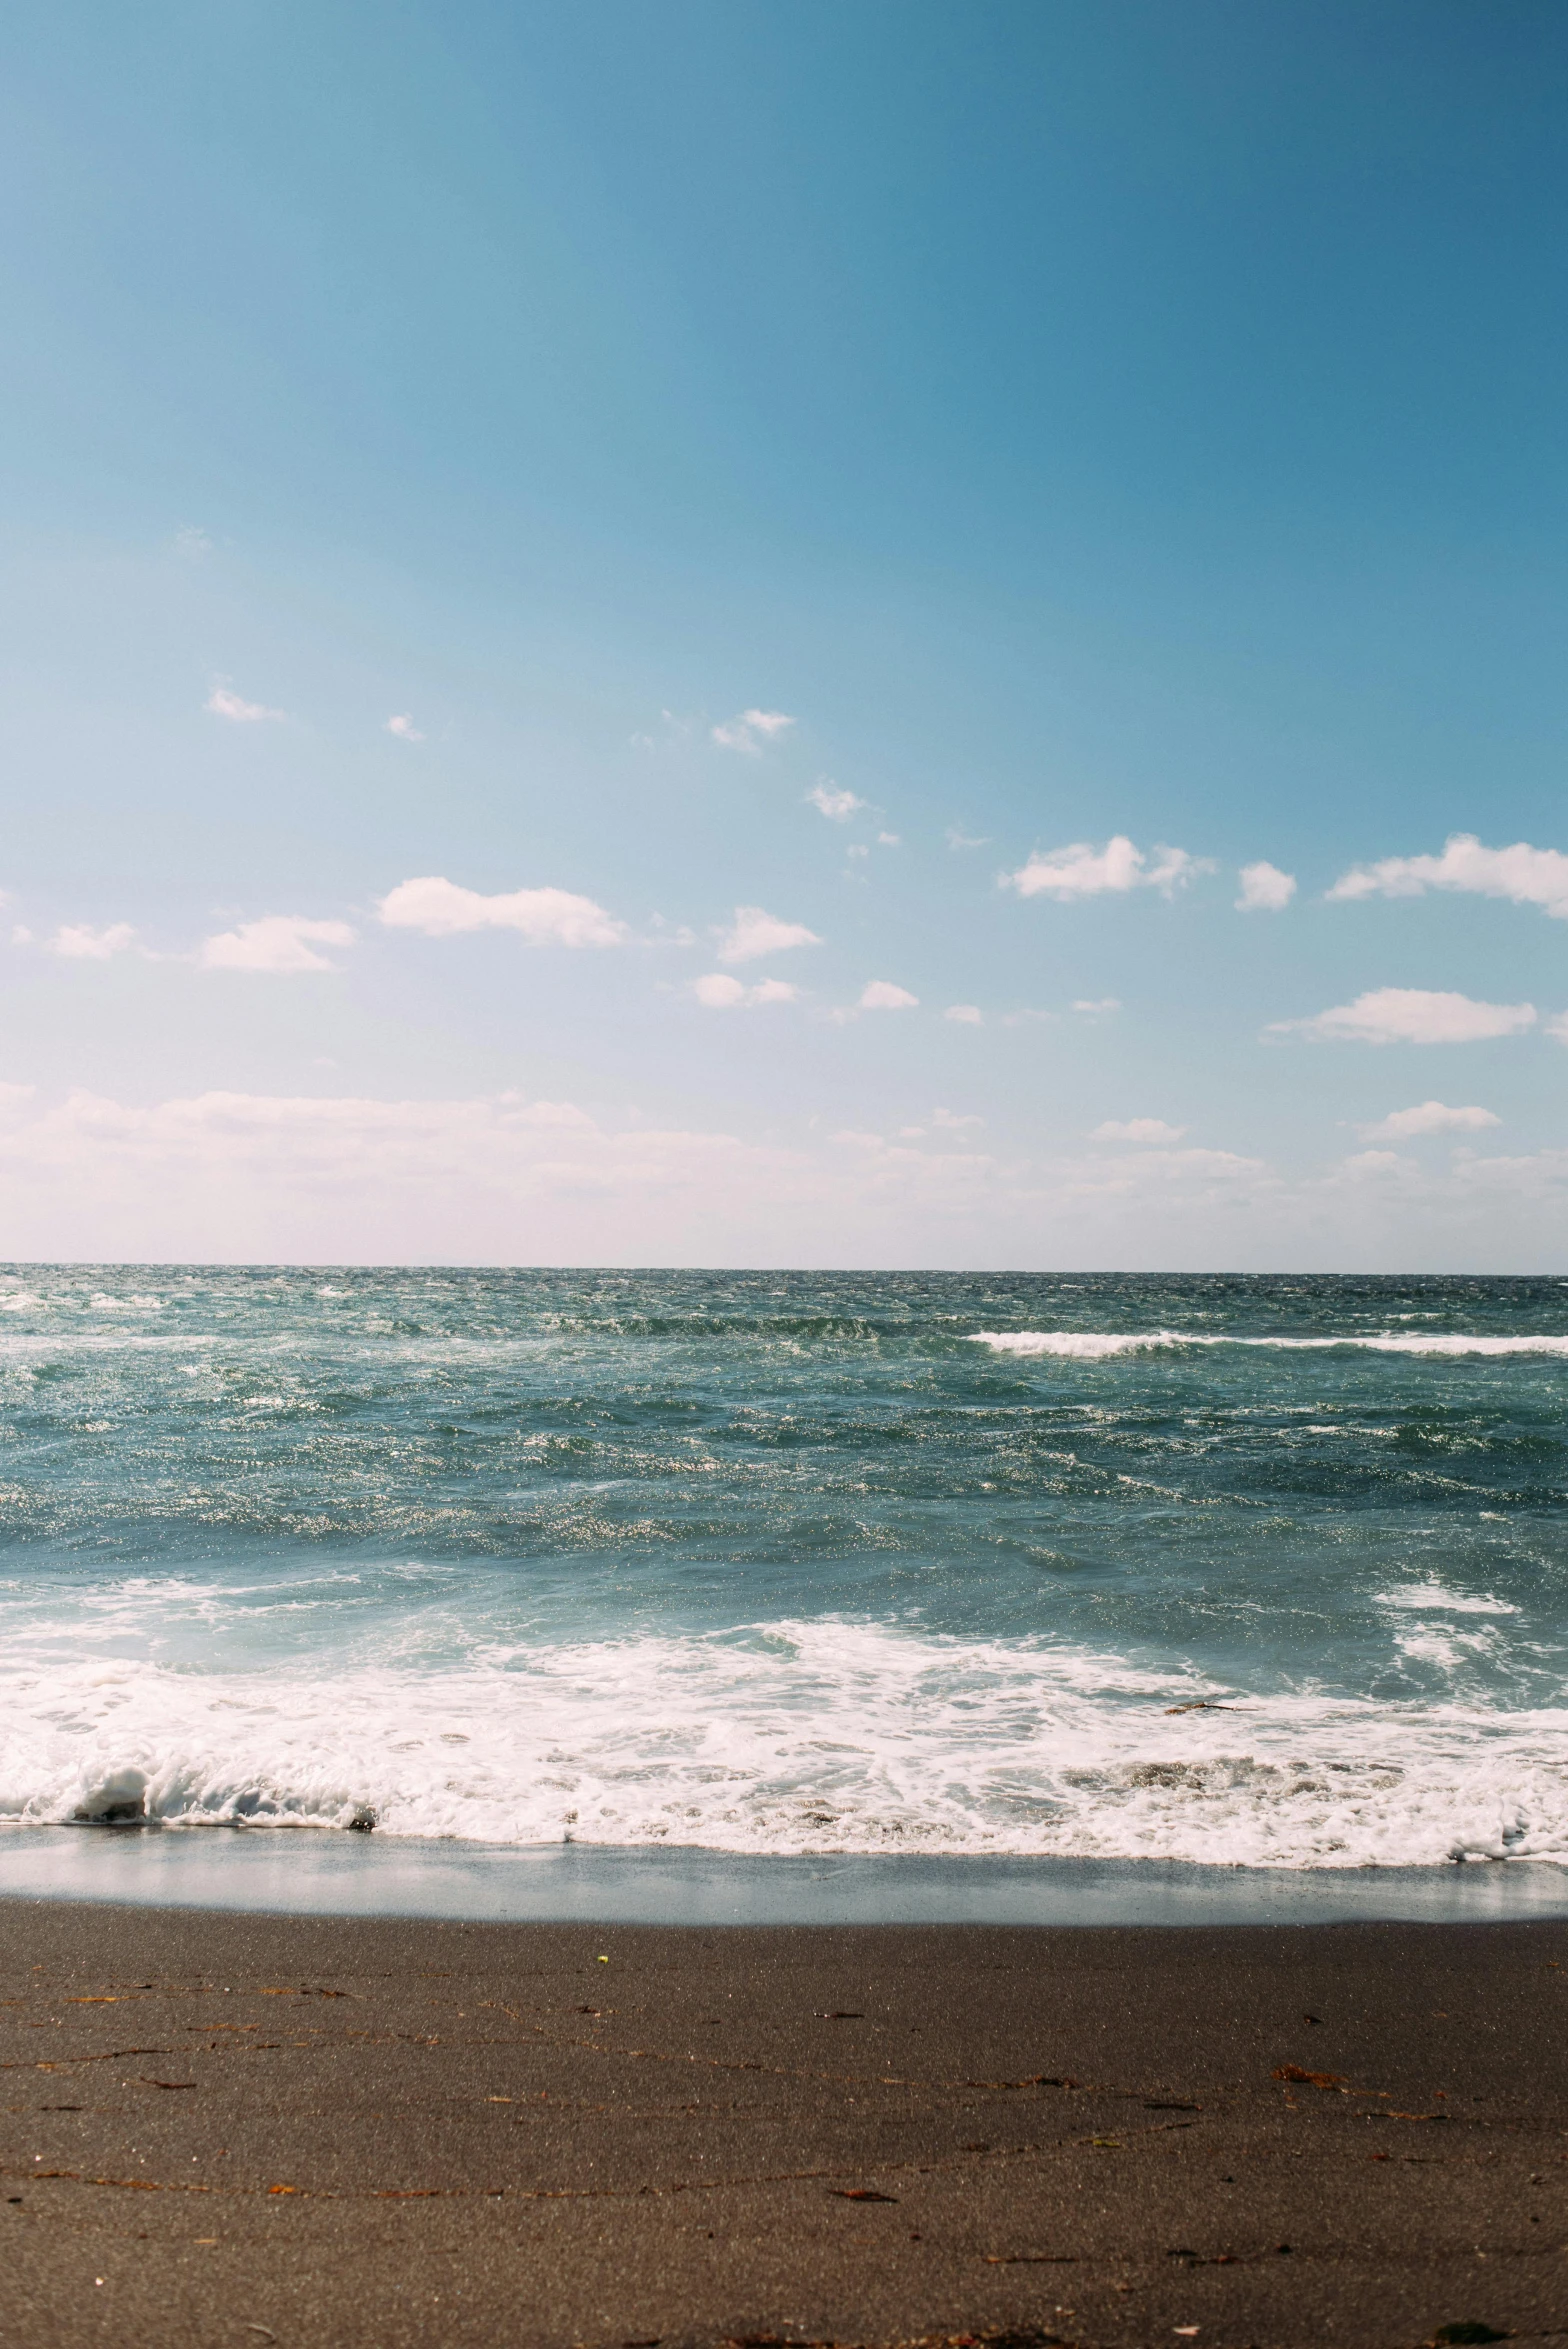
(223, 2128)
(900, 1807)
(784, 1326)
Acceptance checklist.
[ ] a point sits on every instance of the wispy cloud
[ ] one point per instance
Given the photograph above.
(1137, 1129)
(755, 932)
(224, 703)
(335, 1178)
(278, 944)
(968, 1015)
(1083, 871)
(950, 1121)
(1428, 1117)
(81, 943)
(676, 731)
(1410, 1015)
(1373, 1165)
(722, 993)
(957, 839)
(751, 731)
(882, 995)
(1264, 888)
(831, 801)
(1097, 1007)
(544, 917)
(404, 728)
(1523, 875)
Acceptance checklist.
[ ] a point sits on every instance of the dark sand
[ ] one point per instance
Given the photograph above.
(224, 2129)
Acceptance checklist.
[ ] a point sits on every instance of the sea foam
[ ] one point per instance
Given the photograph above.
(778, 1563)
(820, 1736)
(1100, 1345)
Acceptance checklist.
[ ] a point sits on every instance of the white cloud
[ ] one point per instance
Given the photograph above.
(544, 917)
(751, 730)
(1363, 1163)
(404, 728)
(1524, 875)
(1410, 1015)
(1096, 1007)
(837, 805)
(951, 1122)
(754, 932)
(1264, 888)
(889, 840)
(1428, 1117)
(224, 704)
(1146, 1172)
(957, 839)
(968, 1015)
(882, 995)
(1225, 1165)
(1137, 1129)
(83, 944)
(1082, 871)
(1541, 1174)
(279, 944)
(1557, 1026)
(721, 993)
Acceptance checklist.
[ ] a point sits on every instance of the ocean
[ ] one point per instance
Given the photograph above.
(1258, 1572)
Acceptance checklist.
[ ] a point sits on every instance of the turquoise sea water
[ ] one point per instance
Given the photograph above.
(1271, 1571)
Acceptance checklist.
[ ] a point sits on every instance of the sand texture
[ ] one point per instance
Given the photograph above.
(223, 2129)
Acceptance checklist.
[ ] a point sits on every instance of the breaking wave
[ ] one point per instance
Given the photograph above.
(805, 1737)
(1099, 1346)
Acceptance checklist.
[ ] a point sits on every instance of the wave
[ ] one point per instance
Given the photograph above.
(807, 1737)
(1098, 1346)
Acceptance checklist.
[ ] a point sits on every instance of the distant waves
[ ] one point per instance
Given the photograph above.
(1096, 1345)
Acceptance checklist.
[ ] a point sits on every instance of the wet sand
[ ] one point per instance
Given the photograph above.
(222, 2128)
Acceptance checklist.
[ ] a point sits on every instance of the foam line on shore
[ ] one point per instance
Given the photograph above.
(812, 1736)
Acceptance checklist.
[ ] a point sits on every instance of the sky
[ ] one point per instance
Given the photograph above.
(903, 635)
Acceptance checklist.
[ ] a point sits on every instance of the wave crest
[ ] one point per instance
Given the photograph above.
(808, 1737)
(1099, 1345)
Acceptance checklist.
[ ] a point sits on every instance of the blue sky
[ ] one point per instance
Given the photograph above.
(1060, 426)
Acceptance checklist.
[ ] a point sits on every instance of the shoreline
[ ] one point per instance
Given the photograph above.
(418, 2132)
(321, 1872)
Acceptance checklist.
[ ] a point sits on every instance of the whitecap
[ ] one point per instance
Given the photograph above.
(1099, 1345)
(1074, 1344)
(1453, 1602)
